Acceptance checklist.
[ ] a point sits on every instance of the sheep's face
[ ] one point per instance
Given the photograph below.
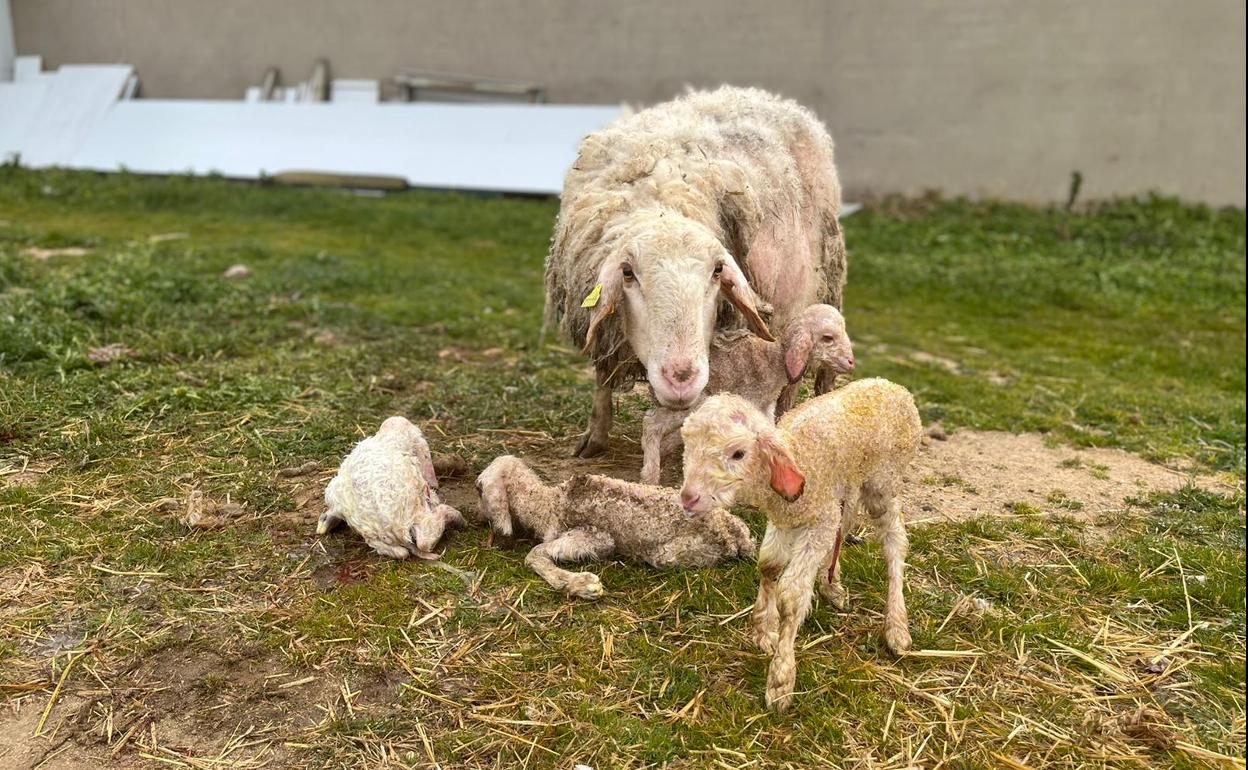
(731, 446)
(817, 336)
(667, 283)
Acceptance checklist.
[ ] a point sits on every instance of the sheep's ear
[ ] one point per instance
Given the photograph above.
(602, 300)
(786, 480)
(798, 346)
(737, 291)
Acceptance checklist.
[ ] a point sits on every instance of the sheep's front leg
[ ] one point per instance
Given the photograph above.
(573, 545)
(793, 595)
(594, 442)
(889, 525)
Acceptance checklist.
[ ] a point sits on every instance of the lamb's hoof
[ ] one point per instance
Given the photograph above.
(838, 597)
(779, 699)
(897, 639)
(586, 585)
(852, 539)
(425, 555)
(590, 446)
(765, 640)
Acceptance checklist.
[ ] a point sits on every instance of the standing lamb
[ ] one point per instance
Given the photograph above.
(592, 517)
(387, 491)
(757, 370)
(722, 195)
(808, 474)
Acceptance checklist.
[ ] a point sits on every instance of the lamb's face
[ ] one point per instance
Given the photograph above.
(815, 337)
(721, 452)
(832, 345)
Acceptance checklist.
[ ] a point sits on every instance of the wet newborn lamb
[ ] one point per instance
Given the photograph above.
(809, 474)
(758, 371)
(387, 491)
(592, 517)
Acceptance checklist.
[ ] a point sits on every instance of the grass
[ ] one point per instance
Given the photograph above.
(1122, 325)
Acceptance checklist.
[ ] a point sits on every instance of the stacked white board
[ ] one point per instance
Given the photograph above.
(76, 118)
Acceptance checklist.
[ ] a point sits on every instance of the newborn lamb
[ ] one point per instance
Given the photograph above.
(386, 490)
(592, 517)
(808, 474)
(758, 371)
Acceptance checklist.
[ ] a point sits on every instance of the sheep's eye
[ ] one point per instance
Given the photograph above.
(627, 269)
(719, 270)
(739, 454)
(829, 338)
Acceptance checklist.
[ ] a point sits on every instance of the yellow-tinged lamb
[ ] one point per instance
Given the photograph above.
(809, 474)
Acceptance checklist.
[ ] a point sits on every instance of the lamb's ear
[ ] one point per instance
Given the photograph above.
(798, 345)
(602, 300)
(786, 480)
(737, 290)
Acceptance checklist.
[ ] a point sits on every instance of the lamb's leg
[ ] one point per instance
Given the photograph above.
(788, 397)
(388, 549)
(660, 435)
(881, 503)
(773, 557)
(825, 379)
(334, 504)
(829, 578)
(793, 595)
(651, 447)
(594, 441)
(573, 545)
(329, 519)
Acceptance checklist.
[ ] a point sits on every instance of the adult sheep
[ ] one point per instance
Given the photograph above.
(695, 214)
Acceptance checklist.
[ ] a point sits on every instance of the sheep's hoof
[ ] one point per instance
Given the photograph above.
(590, 446)
(586, 585)
(897, 639)
(852, 539)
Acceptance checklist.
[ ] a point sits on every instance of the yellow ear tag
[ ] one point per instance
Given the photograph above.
(592, 298)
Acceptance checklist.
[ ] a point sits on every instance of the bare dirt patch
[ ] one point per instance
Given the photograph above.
(992, 473)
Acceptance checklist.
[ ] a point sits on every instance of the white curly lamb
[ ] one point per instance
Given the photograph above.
(808, 474)
(592, 517)
(758, 370)
(387, 491)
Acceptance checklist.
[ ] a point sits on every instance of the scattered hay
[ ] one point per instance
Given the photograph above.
(234, 272)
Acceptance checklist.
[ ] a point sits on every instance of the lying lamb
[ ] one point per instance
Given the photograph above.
(756, 369)
(808, 474)
(592, 517)
(387, 491)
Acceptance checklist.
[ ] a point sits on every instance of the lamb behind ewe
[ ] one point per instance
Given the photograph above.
(387, 491)
(593, 517)
(758, 371)
(809, 474)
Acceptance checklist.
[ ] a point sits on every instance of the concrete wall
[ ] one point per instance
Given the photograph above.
(981, 97)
